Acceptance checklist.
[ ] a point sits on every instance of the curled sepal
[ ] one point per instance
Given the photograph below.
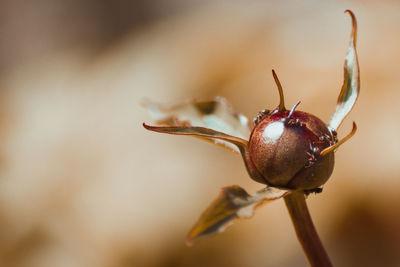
(280, 89)
(351, 85)
(215, 114)
(340, 142)
(232, 203)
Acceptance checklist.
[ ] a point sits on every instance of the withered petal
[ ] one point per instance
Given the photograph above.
(351, 85)
(232, 203)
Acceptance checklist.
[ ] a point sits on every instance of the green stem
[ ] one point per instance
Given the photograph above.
(305, 230)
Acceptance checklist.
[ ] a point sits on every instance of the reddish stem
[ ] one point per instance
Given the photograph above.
(305, 230)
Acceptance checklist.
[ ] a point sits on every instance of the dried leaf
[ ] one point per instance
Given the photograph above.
(216, 114)
(232, 203)
(241, 144)
(351, 85)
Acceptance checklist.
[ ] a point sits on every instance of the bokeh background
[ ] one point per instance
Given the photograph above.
(83, 184)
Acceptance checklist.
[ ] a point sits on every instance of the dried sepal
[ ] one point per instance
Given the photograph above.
(200, 132)
(232, 203)
(340, 142)
(351, 85)
(216, 114)
(280, 89)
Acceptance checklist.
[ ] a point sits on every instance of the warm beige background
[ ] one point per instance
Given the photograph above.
(83, 184)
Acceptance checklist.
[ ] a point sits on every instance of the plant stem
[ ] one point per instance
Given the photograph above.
(305, 230)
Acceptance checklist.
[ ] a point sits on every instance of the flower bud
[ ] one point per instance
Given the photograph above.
(284, 147)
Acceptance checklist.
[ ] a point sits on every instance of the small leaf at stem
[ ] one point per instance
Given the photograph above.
(232, 203)
(351, 85)
(216, 114)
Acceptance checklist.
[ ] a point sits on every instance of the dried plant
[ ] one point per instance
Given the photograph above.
(291, 152)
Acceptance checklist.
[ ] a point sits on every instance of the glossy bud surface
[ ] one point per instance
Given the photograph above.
(285, 150)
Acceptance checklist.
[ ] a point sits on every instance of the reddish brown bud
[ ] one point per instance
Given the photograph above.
(284, 147)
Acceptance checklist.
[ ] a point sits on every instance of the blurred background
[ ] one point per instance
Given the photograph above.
(83, 184)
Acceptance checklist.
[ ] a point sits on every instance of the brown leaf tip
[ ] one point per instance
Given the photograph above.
(148, 127)
(354, 25)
